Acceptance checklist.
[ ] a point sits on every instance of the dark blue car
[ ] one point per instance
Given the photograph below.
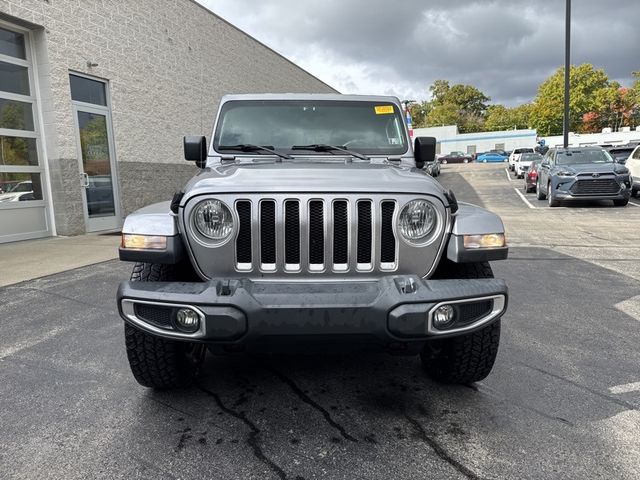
(582, 173)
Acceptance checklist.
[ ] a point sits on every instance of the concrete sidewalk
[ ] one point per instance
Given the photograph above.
(20, 261)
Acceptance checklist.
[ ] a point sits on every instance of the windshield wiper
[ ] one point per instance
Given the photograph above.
(248, 147)
(321, 147)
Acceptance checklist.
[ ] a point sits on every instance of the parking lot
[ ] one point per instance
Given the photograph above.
(561, 402)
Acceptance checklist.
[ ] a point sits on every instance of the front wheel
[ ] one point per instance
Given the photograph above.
(466, 358)
(158, 362)
(553, 201)
(540, 195)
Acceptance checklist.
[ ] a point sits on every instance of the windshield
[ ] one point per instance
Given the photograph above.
(374, 128)
(620, 154)
(583, 156)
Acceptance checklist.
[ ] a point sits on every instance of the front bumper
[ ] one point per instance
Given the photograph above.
(234, 314)
(564, 190)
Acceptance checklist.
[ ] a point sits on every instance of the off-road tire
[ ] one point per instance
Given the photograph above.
(466, 358)
(621, 203)
(157, 362)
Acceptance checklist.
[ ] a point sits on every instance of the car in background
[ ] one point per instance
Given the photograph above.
(16, 191)
(491, 157)
(620, 153)
(432, 168)
(523, 162)
(515, 155)
(633, 165)
(531, 175)
(582, 173)
(456, 157)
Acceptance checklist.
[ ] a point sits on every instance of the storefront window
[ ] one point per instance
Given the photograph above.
(18, 151)
(16, 115)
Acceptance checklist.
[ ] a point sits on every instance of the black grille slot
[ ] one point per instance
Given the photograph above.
(601, 186)
(268, 232)
(387, 239)
(470, 312)
(292, 232)
(243, 242)
(154, 314)
(364, 232)
(340, 232)
(316, 232)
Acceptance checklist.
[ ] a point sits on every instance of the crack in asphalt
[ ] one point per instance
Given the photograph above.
(309, 401)
(439, 450)
(254, 433)
(622, 403)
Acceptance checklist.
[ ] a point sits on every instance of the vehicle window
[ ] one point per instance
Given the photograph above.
(583, 156)
(365, 127)
(620, 154)
(636, 154)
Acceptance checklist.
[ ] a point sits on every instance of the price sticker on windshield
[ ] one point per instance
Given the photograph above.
(383, 109)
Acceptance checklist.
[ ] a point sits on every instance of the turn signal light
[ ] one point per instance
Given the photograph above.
(145, 242)
(491, 240)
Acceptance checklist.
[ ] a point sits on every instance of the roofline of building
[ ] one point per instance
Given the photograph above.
(211, 12)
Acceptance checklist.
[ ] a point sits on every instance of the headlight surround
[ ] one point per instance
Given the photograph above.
(565, 173)
(417, 220)
(213, 220)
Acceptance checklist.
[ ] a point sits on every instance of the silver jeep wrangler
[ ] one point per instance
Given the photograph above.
(311, 226)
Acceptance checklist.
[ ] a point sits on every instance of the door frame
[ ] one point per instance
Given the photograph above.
(100, 223)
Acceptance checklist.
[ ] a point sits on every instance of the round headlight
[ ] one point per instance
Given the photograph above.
(213, 219)
(417, 220)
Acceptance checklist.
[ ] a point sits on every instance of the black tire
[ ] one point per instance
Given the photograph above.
(621, 203)
(553, 201)
(466, 358)
(157, 362)
(540, 195)
(634, 192)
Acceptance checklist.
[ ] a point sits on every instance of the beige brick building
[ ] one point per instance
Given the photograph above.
(95, 96)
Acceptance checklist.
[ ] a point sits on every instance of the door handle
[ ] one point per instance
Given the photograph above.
(84, 178)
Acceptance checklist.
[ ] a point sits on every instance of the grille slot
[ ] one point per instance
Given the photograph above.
(268, 233)
(292, 232)
(340, 233)
(243, 242)
(364, 232)
(316, 232)
(387, 239)
(597, 186)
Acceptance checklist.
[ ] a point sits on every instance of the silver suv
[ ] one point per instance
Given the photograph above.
(311, 226)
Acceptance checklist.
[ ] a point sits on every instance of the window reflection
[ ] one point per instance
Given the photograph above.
(16, 115)
(14, 78)
(18, 151)
(12, 43)
(19, 187)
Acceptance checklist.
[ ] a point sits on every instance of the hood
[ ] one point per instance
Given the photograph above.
(593, 168)
(316, 176)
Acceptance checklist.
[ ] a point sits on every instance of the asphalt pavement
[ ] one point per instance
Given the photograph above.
(561, 402)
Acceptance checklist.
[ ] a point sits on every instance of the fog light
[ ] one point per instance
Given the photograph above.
(187, 320)
(443, 316)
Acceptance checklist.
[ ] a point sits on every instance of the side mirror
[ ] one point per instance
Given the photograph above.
(424, 150)
(195, 150)
(545, 164)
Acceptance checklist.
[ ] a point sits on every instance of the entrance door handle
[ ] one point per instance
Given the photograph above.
(84, 179)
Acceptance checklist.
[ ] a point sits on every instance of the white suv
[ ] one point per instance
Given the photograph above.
(515, 156)
(633, 164)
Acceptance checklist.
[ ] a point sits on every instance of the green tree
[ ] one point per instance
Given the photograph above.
(419, 112)
(463, 105)
(548, 107)
(500, 117)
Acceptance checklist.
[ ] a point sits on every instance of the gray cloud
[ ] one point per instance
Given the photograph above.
(505, 48)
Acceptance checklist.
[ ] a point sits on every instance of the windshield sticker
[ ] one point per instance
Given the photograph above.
(383, 109)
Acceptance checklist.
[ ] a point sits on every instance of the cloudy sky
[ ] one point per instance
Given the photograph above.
(399, 47)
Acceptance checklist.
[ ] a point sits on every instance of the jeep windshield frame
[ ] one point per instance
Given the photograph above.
(362, 126)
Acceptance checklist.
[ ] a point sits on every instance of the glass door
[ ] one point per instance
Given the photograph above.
(95, 145)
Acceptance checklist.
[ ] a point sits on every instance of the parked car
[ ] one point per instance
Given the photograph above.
(633, 164)
(16, 191)
(515, 155)
(274, 245)
(523, 162)
(620, 153)
(491, 157)
(531, 175)
(582, 173)
(456, 157)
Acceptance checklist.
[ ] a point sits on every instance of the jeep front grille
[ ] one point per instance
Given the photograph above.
(317, 235)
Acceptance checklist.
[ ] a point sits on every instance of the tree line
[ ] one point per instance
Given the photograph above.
(595, 103)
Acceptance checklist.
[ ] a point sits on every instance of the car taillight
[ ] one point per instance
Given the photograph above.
(533, 174)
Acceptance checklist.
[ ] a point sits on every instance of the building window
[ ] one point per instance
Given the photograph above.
(471, 149)
(499, 146)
